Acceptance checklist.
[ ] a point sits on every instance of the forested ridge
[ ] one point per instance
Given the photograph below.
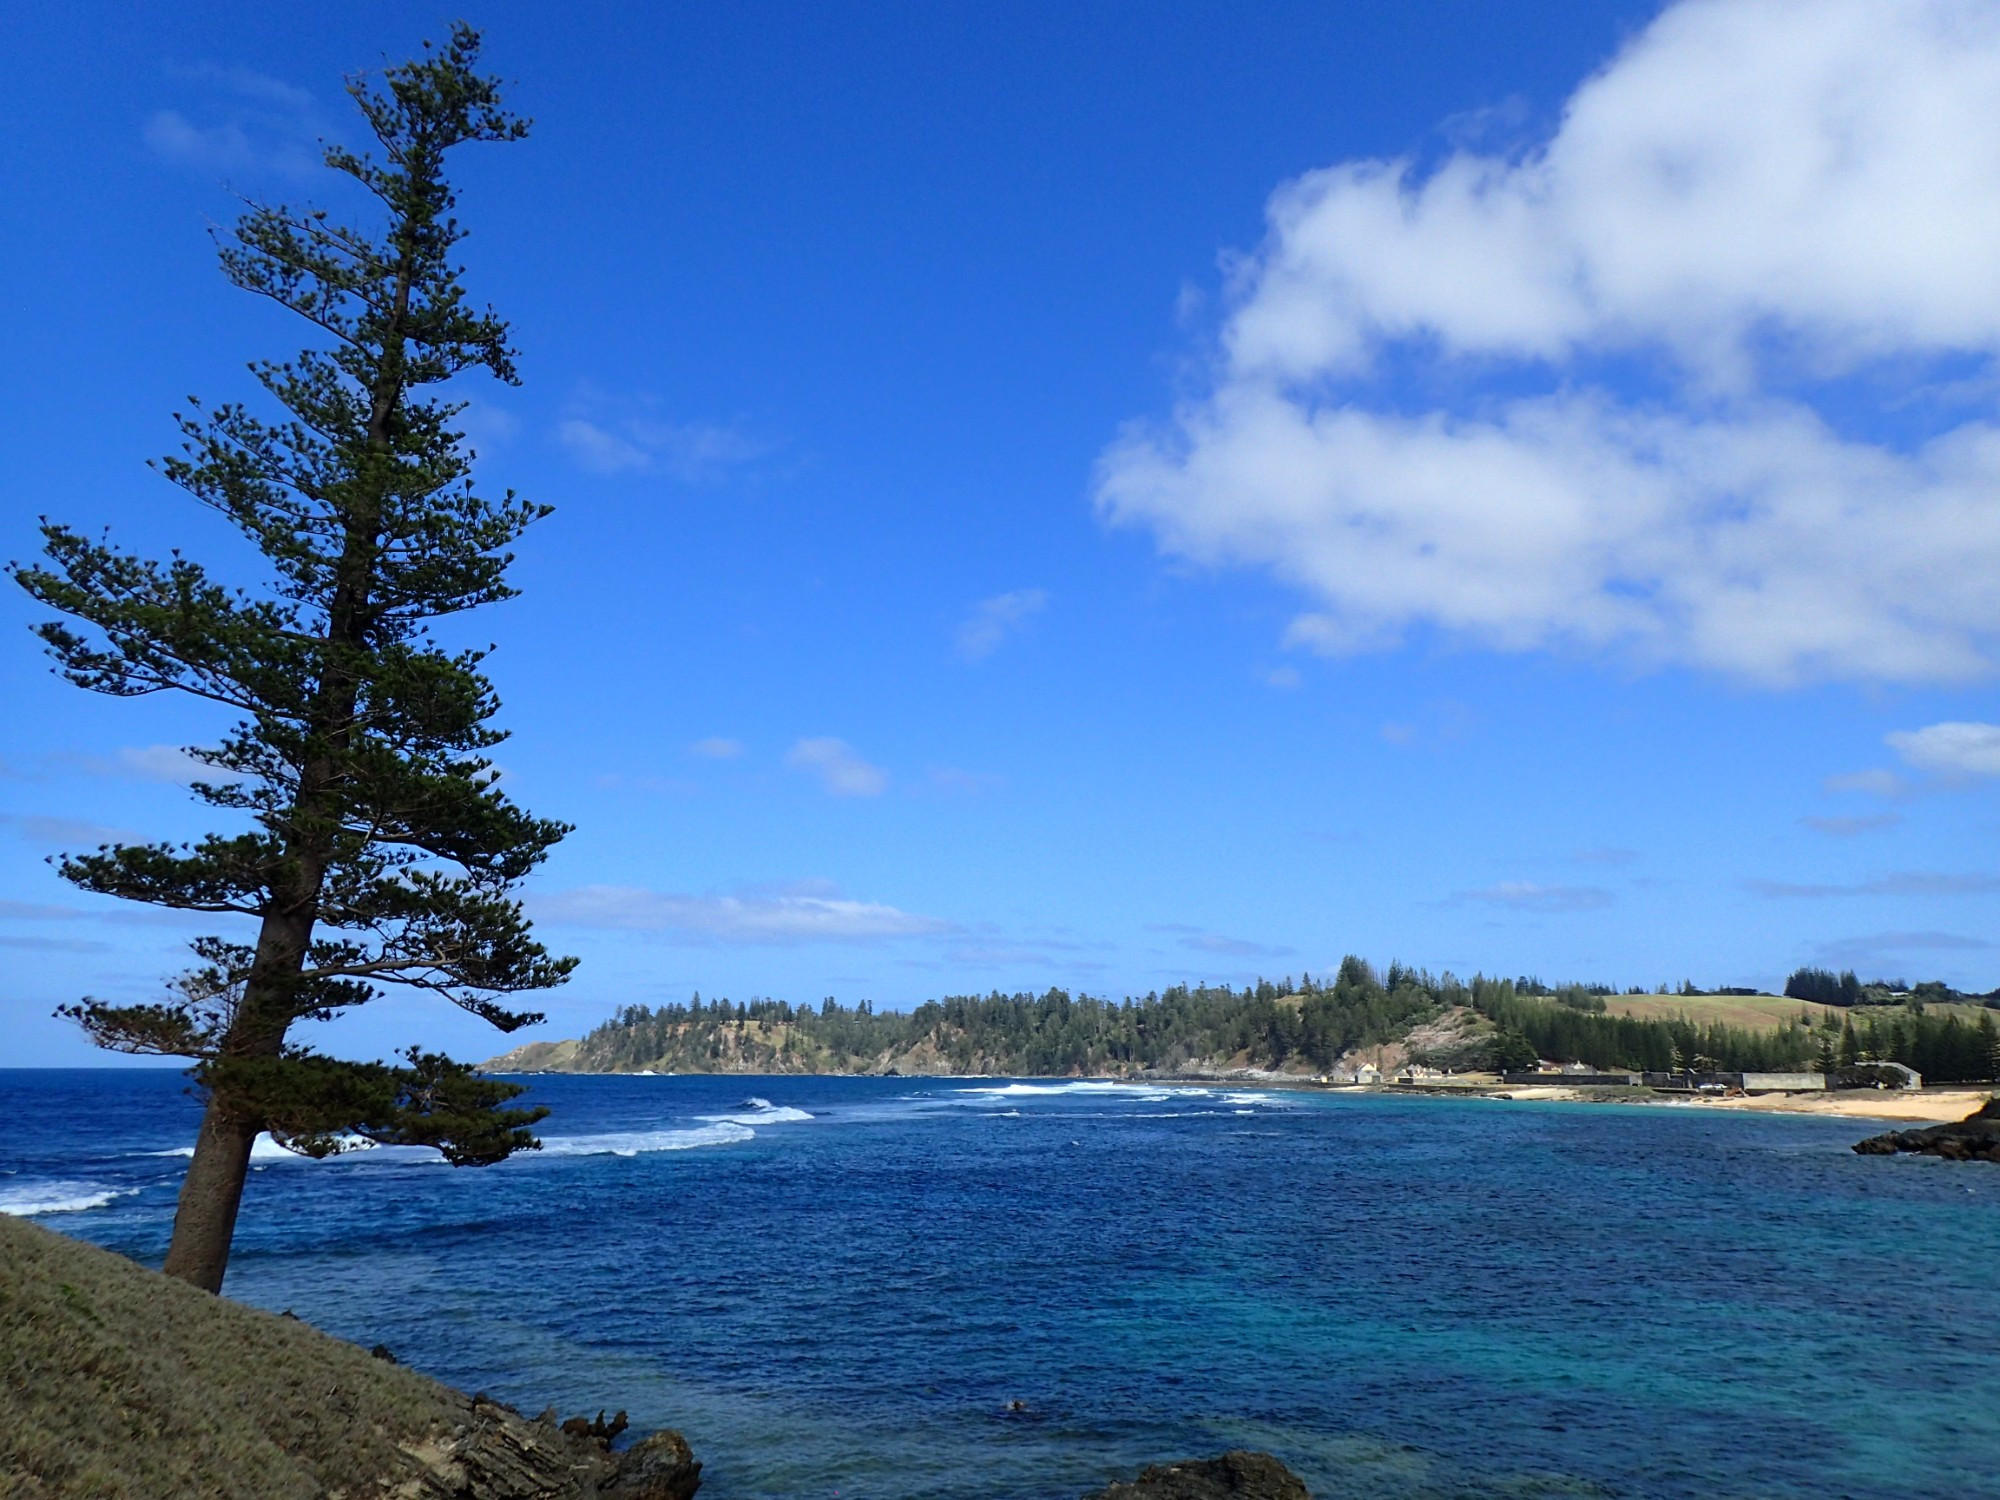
(1306, 1025)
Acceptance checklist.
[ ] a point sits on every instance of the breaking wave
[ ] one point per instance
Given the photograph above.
(1139, 1091)
(756, 1111)
(56, 1196)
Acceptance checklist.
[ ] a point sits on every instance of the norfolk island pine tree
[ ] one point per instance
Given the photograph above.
(379, 851)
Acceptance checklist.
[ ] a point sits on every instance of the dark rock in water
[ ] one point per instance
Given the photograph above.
(660, 1467)
(1975, 1138)
(1239, 1473)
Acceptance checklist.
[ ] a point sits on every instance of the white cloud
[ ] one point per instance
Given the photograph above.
(1526, 895)
(715, 747)
(1950, 749)
(1753, 199)
(993, 620)
(808, 913)
(840, 770)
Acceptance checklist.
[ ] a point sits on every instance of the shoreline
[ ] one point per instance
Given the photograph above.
(1944, 1105)
(1941, 1106)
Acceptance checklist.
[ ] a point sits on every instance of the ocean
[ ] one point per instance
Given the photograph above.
(887, 1289)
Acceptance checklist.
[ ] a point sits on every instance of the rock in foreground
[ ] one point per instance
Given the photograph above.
(1975, 1138)
(1238, 1475)
(117, 1383)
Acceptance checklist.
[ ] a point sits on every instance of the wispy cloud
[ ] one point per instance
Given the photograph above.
(248, 123)
(1952, 749)
(716, 748)
(811, 912)
(1201, 940)
(56, 945)
(1440, 723)
(842, 772)
(1847, 828)
(613, 436)
(64, 833)
(1848, 952)
(169, 763)
(1875, 782)
(1903, 883)
(993, 620)
(1527, 895)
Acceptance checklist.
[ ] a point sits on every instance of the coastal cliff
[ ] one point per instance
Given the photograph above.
(121, 1384)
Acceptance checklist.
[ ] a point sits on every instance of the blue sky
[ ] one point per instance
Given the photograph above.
(1107, 495)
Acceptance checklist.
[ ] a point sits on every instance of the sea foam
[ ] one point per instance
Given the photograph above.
(1137, 1091)
(634, 1142)
(56, 1196)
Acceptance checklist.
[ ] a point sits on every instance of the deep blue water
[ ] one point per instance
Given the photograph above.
(841, 1291)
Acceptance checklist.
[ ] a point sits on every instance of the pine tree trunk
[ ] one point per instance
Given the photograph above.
(205, 1222)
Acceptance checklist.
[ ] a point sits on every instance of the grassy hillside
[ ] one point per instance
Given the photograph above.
(1731, 1010)
(117, 1383)
(1756, 1011)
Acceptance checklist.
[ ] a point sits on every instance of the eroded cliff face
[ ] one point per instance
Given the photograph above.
(124, 1385)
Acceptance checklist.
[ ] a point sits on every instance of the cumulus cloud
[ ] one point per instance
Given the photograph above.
(1527, 895)
(839, 769)
(812, 912)
(1754, 201)
(993, 620)
(1950, 749)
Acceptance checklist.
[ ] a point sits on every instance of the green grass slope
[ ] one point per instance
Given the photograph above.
(117, 1383)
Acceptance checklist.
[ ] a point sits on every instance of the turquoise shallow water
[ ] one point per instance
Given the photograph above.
(838, 1286)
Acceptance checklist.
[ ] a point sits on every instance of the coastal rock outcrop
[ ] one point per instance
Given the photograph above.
(1239, 1474)
(1975, 1138)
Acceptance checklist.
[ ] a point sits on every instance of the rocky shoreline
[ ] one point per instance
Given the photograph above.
(1975, 1138)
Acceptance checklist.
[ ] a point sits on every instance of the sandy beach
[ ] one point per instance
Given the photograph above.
(1926, 1107)
(1929, 1107)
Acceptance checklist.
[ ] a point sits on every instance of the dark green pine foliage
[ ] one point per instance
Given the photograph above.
(372, 846)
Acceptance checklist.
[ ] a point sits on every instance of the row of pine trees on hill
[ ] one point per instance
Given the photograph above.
(1269, 1024)
(1941, 1046)
(1308, 1023)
